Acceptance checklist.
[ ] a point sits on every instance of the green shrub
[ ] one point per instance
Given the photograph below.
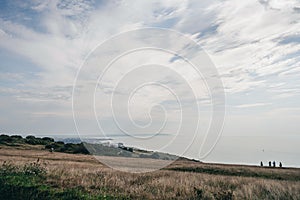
(48, 139)
(5, 138)
(17, 139)
(35, 141)
(67, 148)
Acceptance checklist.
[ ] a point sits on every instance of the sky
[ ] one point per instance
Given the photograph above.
(253, 45)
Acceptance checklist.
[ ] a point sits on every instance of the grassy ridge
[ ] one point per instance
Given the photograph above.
(239, 172)
(79, 176)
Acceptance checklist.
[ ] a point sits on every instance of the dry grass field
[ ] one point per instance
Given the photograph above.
(182, 180)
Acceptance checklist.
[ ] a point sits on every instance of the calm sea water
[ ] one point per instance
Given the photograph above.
(249, 150)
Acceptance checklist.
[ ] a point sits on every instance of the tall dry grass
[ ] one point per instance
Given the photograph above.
(70, 171)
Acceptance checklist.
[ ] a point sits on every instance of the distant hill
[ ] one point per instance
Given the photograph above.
(76, 146)
(47, 143)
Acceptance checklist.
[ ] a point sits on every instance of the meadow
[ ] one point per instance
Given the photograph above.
(59, 175)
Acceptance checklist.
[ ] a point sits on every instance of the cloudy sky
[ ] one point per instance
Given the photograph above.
(254, 45)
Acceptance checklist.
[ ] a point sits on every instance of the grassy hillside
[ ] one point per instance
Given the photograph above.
(80, 148)
(45, 142)
(78, 176)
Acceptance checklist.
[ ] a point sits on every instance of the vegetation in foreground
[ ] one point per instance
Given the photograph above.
(75, 176)
(29, 182)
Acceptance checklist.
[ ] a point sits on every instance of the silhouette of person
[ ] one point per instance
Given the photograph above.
(261, 164)
(274, 164)
(270, 164)
(280, 164)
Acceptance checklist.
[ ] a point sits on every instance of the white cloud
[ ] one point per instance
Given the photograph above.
(7, 76)
(253, 105)
(241, 38)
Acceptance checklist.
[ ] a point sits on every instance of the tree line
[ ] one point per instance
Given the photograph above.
(49, 143)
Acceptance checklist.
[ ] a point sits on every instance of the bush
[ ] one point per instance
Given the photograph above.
(55, 145)
(33, 140)
(5, 138)
(16, 137)
(49, 143)
(30, 139)
(67, 148)
(47, 139)
(153, 156)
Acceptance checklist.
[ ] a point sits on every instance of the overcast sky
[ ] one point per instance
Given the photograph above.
(254, 45)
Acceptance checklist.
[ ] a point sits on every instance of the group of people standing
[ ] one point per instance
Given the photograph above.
(270, 164)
